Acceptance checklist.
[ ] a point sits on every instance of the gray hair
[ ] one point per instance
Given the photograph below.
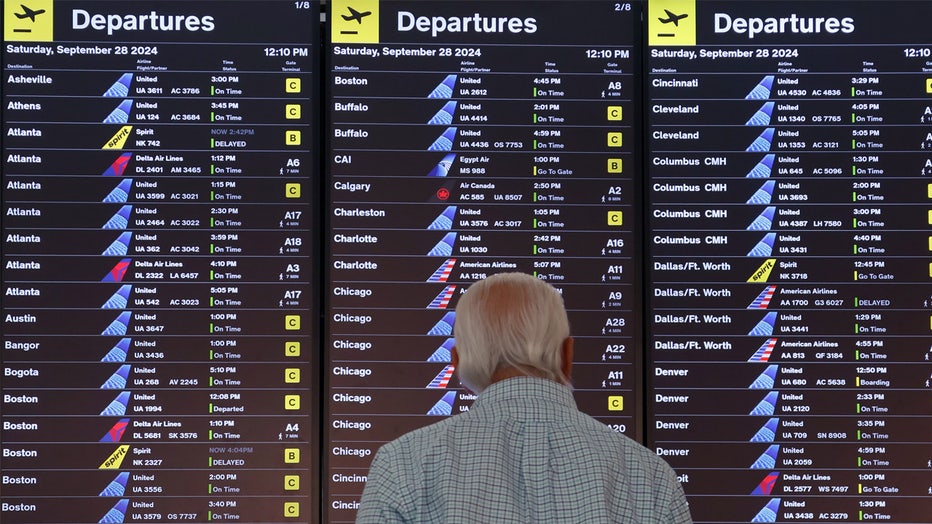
(510, 320)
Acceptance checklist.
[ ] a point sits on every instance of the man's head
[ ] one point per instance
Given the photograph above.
(511, 324)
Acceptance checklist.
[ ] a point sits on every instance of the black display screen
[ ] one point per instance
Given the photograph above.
(467, 139)
(790, 245)
(159, 323)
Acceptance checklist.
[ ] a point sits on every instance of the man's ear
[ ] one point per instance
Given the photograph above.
(566, 354)
(454, 357)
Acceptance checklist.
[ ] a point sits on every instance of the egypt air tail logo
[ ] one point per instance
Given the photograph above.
(28, 21)
(116, 458)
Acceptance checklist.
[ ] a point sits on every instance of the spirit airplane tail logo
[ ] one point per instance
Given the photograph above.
(119, 139)
(116, 458)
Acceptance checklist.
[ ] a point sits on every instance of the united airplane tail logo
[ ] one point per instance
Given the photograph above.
(762, 116)
(120, 115)
(444, 89)
(442, 379)
(118, 272)
(769, 512)
(117, 408)
(116, 432)
(763, 168)
(442, 300)
(118, 379)
(117, 486)
(766, 379)
(764, 328)
(116, 514)
(764, 351)
(444, 248)
(443, 167)
(444, 221)
(119, 165)
(443, 353)
(444, 117)
(763, 142)
(766, 406)
(444, 142)
(119, 326)
(767, 432)
(762, 90)
(119, 299)
(763, 300)
(444, 326)
(767, 459)
(764, 221)
(118, 352)
(764, 248)
(766, 486)
(444, 406)
(764, 195)
(120, 246)
(120, 219)
(443, 272)
(120, 88)
(120, 193)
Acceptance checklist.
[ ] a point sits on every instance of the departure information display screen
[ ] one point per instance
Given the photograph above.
(467, 139)
(790, 186)
(159, 325)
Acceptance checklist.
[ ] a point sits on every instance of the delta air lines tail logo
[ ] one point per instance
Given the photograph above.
(28, 21)
(354, 21)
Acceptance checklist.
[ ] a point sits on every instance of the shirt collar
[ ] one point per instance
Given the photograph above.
(524, 391)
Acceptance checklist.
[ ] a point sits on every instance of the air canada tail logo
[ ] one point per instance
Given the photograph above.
(671, 22)
(116, 458)
(28, 21)
(354, 21)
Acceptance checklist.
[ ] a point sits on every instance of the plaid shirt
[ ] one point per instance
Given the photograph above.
(522, 453)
